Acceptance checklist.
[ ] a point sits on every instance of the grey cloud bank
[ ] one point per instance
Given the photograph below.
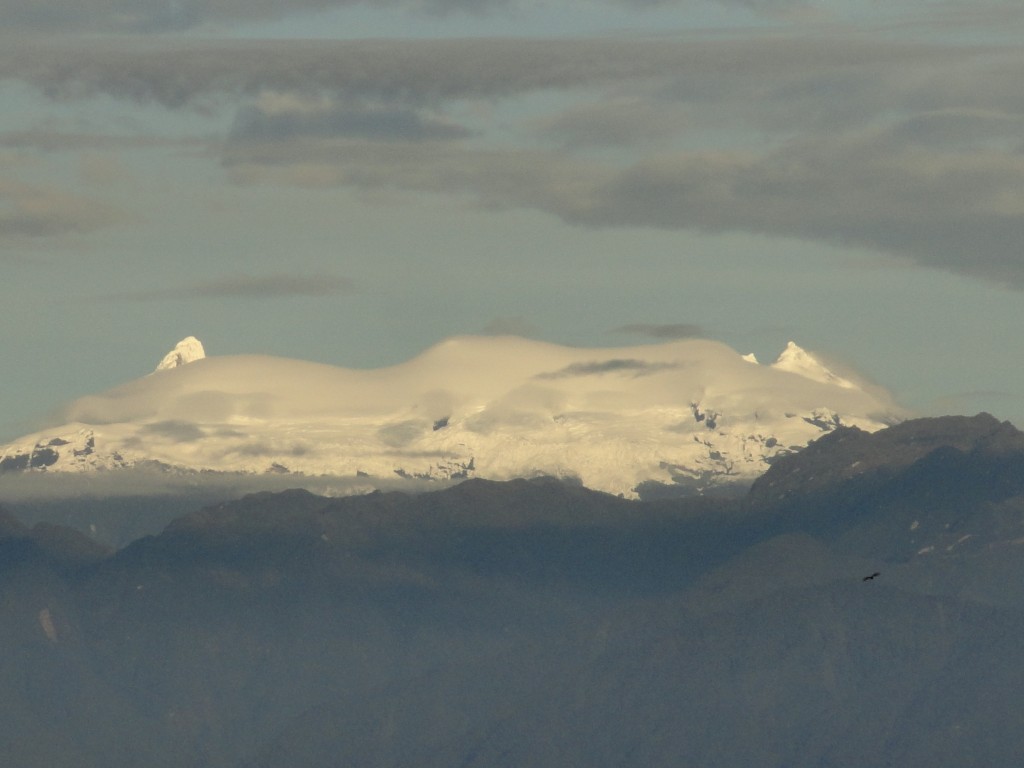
(380, 123)
(152, 16)
(963, 212)
(142, 15)
(902, 147)
(703, 71)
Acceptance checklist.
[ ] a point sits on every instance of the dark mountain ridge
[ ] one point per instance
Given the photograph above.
(848, 453)
(540, 623)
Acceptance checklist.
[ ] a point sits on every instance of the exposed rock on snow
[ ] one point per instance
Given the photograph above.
(188, 350)
(688, 414)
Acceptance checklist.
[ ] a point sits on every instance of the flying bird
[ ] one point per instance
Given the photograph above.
(873, 575)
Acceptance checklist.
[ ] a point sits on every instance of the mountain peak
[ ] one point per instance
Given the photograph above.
(796, 359)
(188, 350)
(676, 417)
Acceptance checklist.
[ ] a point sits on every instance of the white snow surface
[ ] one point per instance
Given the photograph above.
(688, 412)
(188, 350)
(801, 362)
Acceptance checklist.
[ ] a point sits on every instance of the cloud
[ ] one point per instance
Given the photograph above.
(44, 138)
(514, 325)
(963, 212)
(902, 147)
(149, 16)
(494, 178)
(958, 211)
(771, 81)
(402, 433)
(143, 15)
(647, 88)
(596, 368)
(33, 211)
(178, 73)
(274, 285)
(178, 431)
(666, 331)
(279, 448)
(249, 286)
(615, 122)
(380, 122)
(960, 128)
(98, 169)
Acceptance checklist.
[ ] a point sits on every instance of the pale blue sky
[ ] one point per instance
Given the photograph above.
(353, 182)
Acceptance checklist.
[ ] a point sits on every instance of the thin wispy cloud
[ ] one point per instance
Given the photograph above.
(156, 16)
(635, 368)
(38, 211)
(248, 287)
(514, 325)
(663, 331)
(340, 120)
(274, 285)
(47, 139)
(180, 73)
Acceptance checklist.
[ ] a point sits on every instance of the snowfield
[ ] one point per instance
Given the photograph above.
(690, 414)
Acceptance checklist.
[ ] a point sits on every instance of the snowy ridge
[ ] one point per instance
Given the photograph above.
(799, 361)
(188, 350)
(687, 414)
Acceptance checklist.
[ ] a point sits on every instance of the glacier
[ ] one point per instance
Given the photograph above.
(687, 416)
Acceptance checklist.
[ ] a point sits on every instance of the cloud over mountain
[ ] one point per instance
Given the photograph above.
(616, 365)
(688, 414)
(663, 330)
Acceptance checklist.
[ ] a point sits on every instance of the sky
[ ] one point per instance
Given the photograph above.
(352, 182)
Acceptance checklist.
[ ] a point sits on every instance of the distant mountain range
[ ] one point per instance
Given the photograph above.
(537, 622)
(678, 418)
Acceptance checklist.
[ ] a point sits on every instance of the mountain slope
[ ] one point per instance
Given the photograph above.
(683, 416)
(535, 622)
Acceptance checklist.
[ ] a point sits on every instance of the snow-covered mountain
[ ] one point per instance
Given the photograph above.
(689, 414)
(186, 351)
